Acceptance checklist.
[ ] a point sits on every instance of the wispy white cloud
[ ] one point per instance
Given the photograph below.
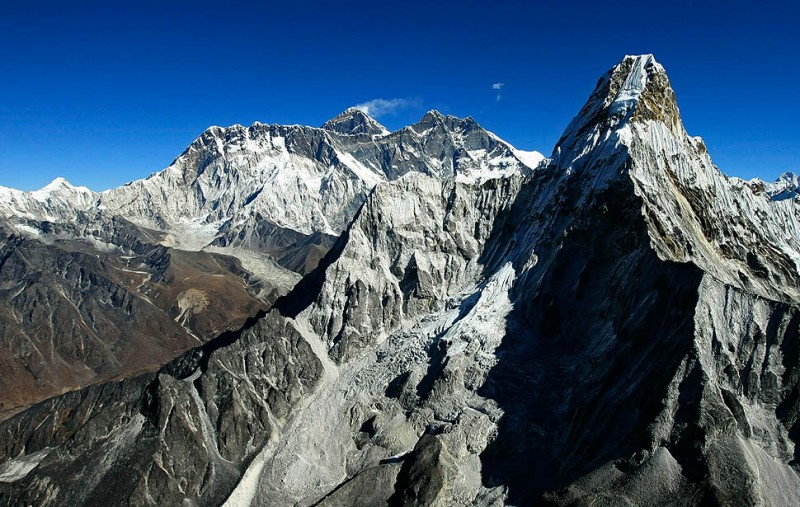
(382, 107)
(497, 87)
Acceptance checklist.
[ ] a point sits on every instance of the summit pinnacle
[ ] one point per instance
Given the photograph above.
(354, 121)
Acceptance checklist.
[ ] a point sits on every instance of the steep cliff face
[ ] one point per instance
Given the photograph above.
(725, 433)
(620, 325)
(413, 245)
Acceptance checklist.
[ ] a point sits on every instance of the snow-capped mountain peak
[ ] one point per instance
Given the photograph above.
(353, 121)
(232, 180)
(428, 121)
(627, 97)
(57, 200)
(786, 186)
(635, 89)
(624, 311)
(58, 186)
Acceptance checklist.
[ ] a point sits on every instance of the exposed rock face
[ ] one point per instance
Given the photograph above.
(232, 181)
(619, 326)
(84, 307)
(160, 438)
(718, 439)
(412, 246)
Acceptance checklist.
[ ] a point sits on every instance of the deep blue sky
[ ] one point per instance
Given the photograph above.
(106, 92)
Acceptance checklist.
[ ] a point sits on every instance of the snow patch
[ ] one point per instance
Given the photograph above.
(18, 468)
(359, 169)
(28, 230)
(191, 235)
(530, 158)
(632, 88)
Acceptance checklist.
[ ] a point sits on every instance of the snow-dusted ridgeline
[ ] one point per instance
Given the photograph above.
(613, 327)
(303, 179)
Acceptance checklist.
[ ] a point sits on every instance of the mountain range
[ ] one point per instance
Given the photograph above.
(344, 315)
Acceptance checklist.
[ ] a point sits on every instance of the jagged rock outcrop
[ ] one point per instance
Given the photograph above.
(184, 432)
(412, 246)
(620, 325)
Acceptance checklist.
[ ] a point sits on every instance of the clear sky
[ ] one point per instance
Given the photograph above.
(107, 92)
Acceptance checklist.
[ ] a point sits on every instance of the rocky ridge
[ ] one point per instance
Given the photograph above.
(271, 198)
(620, 325)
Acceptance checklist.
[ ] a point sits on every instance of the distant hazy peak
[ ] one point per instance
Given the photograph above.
(434, 118)
(786, 186)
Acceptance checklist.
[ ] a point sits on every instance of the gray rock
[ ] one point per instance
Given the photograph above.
(618, 326)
